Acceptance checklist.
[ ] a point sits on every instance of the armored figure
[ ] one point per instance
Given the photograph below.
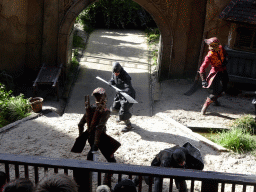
(185, 157)
(218, 76)
(96, 118)
(122, 80)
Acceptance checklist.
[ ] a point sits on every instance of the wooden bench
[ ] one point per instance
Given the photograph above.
(49, 75)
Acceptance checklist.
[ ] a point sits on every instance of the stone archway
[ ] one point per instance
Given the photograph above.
(155, 11)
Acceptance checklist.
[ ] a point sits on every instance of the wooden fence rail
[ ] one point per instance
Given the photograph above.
(210, 181)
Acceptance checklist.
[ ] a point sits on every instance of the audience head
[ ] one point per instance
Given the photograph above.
(19, 185)
(103, 188)
(57, 183)
(125, 185)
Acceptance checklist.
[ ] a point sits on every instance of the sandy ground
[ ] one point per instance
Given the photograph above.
(51, 135)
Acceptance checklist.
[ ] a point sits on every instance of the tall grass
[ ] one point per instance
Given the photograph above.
(239, 138)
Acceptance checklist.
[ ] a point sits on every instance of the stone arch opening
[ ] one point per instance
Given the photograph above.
(160, 19)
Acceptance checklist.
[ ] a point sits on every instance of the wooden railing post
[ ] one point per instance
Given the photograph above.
(83, 179)
(209, 185)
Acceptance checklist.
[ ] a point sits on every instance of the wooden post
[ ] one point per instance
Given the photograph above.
(209, 185)
(83, 179)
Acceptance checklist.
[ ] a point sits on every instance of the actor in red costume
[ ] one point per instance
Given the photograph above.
(218, 76)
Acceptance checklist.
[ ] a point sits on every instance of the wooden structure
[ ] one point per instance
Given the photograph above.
(34, 167)
(241, 66)
(48, 75)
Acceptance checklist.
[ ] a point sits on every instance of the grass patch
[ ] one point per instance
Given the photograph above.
(236, 139)
(240, 137)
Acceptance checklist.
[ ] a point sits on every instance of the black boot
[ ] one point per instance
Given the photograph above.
(128, 126)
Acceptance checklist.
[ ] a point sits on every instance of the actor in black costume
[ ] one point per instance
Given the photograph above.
(96, 118)
(122, 80)
(185, 157)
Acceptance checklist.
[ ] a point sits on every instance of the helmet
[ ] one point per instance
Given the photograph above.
(212, 40)
(98, 93)
(116, 67)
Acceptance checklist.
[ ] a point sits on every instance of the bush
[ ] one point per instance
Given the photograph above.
(12, 108)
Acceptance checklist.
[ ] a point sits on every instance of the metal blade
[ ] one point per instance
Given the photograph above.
(126, 96)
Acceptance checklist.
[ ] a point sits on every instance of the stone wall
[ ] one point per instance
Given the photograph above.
(37, 31)
(13, 33)
(20, 35)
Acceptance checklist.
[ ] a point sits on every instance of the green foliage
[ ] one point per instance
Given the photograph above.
(239, 138)
(152, 35)
(74, 62)
(155, 56)
(115, 14)
(12, 108)
(78, 41)
(76, 52)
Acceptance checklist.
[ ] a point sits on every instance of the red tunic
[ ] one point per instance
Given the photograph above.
(215, 59)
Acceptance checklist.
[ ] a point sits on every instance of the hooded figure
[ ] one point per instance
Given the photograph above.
(218, 77)
(185, 157)
(122, 80)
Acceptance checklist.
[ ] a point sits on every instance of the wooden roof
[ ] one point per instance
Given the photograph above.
(240, 11)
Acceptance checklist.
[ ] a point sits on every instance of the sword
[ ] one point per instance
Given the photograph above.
(128, 97)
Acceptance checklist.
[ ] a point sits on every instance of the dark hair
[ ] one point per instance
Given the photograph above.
(179, 156)
(3, 178)
(125, 185)
(57, 183)
(19, 185)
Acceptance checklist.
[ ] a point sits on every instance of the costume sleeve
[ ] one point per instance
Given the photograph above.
(100, 128)
(205, 64)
